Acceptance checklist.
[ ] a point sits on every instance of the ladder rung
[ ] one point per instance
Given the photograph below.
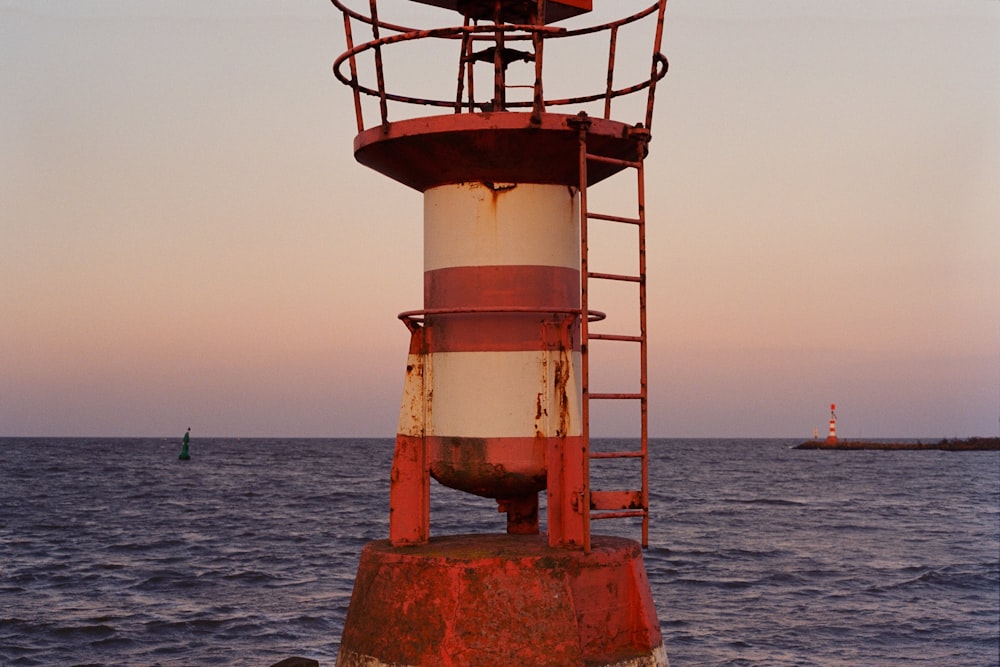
(613, 160)
(618, 337)
(614, 276)
(618, 515)
(614, 218)
(616, 455)
(616, 500)
(614, 396)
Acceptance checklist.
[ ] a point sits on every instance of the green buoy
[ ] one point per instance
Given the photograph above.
(185, 456)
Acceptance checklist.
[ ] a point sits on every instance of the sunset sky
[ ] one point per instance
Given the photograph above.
(186, 239)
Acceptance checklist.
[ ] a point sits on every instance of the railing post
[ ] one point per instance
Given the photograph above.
(358, 111)
(379, 73)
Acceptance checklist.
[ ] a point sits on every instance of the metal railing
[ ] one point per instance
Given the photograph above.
(501, 37)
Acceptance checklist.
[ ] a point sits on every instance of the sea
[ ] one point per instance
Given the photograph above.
(114, 552)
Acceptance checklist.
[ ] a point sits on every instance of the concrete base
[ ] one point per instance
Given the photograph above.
(501, 601)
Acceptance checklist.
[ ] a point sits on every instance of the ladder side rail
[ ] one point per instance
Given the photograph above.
(643, 343)
(584, 504)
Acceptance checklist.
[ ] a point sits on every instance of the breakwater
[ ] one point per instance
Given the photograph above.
(953, 445)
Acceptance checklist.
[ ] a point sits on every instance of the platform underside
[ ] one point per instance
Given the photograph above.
(499, 147)
(554, 10)
(501, 601)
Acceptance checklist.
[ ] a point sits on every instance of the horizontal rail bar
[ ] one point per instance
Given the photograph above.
(613, 160)
(592, 316)
(615, 276)
(617, 515)
(614, 218)
(616, 455)
(614, 396)
(630, 499)
(618, 337)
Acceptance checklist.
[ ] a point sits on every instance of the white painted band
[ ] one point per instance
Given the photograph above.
(493, 395)
(526, 224)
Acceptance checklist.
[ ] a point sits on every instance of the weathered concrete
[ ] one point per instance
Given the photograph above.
(499, 601)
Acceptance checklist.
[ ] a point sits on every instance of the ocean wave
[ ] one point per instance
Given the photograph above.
(773, 558)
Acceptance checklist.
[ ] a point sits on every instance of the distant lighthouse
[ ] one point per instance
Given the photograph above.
(832, 438)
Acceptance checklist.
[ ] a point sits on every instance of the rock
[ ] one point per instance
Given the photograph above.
(296, 661)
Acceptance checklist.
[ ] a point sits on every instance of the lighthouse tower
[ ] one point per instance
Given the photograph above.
(497, 393)
(831, 439)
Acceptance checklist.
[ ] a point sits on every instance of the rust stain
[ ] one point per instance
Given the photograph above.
(413, 407)
(562, 373)
(469, 464)
(541, 399)
(499, 187)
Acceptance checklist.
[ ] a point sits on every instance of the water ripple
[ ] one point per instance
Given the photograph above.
(759, 555)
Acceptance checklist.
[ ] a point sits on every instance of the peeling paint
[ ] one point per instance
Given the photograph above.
(499, 187)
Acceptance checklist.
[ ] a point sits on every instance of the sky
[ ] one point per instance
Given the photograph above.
(186, 239)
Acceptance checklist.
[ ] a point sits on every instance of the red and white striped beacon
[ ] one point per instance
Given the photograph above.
(831, 439)
(496, 397)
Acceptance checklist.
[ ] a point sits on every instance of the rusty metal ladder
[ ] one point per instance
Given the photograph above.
(614, 504)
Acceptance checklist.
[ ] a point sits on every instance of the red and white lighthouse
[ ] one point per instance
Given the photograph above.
(831, 438)
(497, 395)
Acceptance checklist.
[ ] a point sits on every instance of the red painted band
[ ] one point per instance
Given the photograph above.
(498, 286)
(502, 287)
(501, 333)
